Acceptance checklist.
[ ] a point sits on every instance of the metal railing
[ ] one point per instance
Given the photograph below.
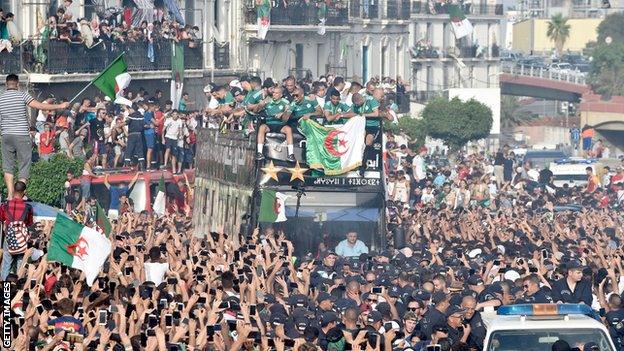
(437, 8)
(422, 96)
(542, 72)
(301, 13)
(59, 56)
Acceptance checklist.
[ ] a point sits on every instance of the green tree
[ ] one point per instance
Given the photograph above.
(414, 128)
(511, 115)
(607, 72)
(47, 179)
(612, 26)
(558, 31)
(456, 122)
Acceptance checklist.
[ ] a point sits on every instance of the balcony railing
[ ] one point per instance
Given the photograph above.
(431, 8)
(301, 13)
(58, 57)
(422, 96)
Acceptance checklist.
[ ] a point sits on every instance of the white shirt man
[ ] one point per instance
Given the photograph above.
(351, 246)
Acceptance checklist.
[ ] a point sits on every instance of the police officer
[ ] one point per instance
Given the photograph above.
(136, 125)
(615, 320)
(532, 291)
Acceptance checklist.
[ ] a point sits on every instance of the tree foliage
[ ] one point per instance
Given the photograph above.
(607, 72)
(558, 31)
(457, 122)
(47, 179)
(511, 115)
(413, 127)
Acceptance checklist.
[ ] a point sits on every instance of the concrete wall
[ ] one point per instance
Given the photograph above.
(545, 134)
(531, 35)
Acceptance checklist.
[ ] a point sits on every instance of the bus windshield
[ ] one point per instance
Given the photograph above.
(542, 339)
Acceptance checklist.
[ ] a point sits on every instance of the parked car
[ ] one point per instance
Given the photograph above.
(561, 67)
(532, 61)
(574, 59)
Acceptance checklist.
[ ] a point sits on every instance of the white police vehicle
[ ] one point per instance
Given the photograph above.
(537, 327)
(572, 171)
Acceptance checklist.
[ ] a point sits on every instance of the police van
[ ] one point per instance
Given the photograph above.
(537, 327)
(572, 171)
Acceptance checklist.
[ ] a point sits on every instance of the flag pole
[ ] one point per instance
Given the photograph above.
(98, 76)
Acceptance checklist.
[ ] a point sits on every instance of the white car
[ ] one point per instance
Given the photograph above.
(537, 327)
(572, 171)
(561, 67)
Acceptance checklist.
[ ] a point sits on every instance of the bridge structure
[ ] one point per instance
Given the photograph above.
(540, 82)
(605, 114)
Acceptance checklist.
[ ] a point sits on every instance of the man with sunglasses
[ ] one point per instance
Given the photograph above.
(532, 291)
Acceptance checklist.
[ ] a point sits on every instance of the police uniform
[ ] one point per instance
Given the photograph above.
(615, 324)
(135, 148)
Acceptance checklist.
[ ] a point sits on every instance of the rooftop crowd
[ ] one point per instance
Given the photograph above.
(480, 231)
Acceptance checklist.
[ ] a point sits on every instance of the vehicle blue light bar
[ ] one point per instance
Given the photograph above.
(544, 309)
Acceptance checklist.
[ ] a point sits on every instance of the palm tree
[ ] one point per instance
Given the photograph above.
(512, 114)
(558, 31)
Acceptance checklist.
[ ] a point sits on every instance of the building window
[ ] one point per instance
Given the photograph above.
(299, 56)
(215, 13)
(445, 76)
(430, 78)
(205, 207)
(212, 202)
(489, 73)
(429, 32)
(384, 61)
(227, 208)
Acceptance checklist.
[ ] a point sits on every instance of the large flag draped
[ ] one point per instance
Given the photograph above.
(101, 220)
(113, 80)
(77, 246)
(263, 11)
(461, 25)
(160, 201)
(335, 150)
(272, 207)
(177, 73)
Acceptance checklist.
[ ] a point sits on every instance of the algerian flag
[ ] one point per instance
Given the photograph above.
(159, 202)
(177, 73)
(114, 80)
(77, 246)
(263, 11)
(461, 25)
(101, 220)
(322, 16)
(272, 207)
(343, 51)
(334, 150)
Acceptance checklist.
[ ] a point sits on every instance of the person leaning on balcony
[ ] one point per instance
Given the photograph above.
(15, 130)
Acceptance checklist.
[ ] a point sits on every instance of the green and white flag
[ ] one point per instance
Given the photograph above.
(113, 80)
(263, 11)
(160, 201)
(272, 208)
(77, 246)
(177, 73)
(334, 150)
(461, 25)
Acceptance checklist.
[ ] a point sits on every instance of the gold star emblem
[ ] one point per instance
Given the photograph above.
(271, 171)
(297, 172)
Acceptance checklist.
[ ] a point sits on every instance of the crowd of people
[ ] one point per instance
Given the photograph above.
(477, 232)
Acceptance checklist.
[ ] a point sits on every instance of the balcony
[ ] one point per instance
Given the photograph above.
(373, 10)
(59, 57)
(303, 14)
(425, 8)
